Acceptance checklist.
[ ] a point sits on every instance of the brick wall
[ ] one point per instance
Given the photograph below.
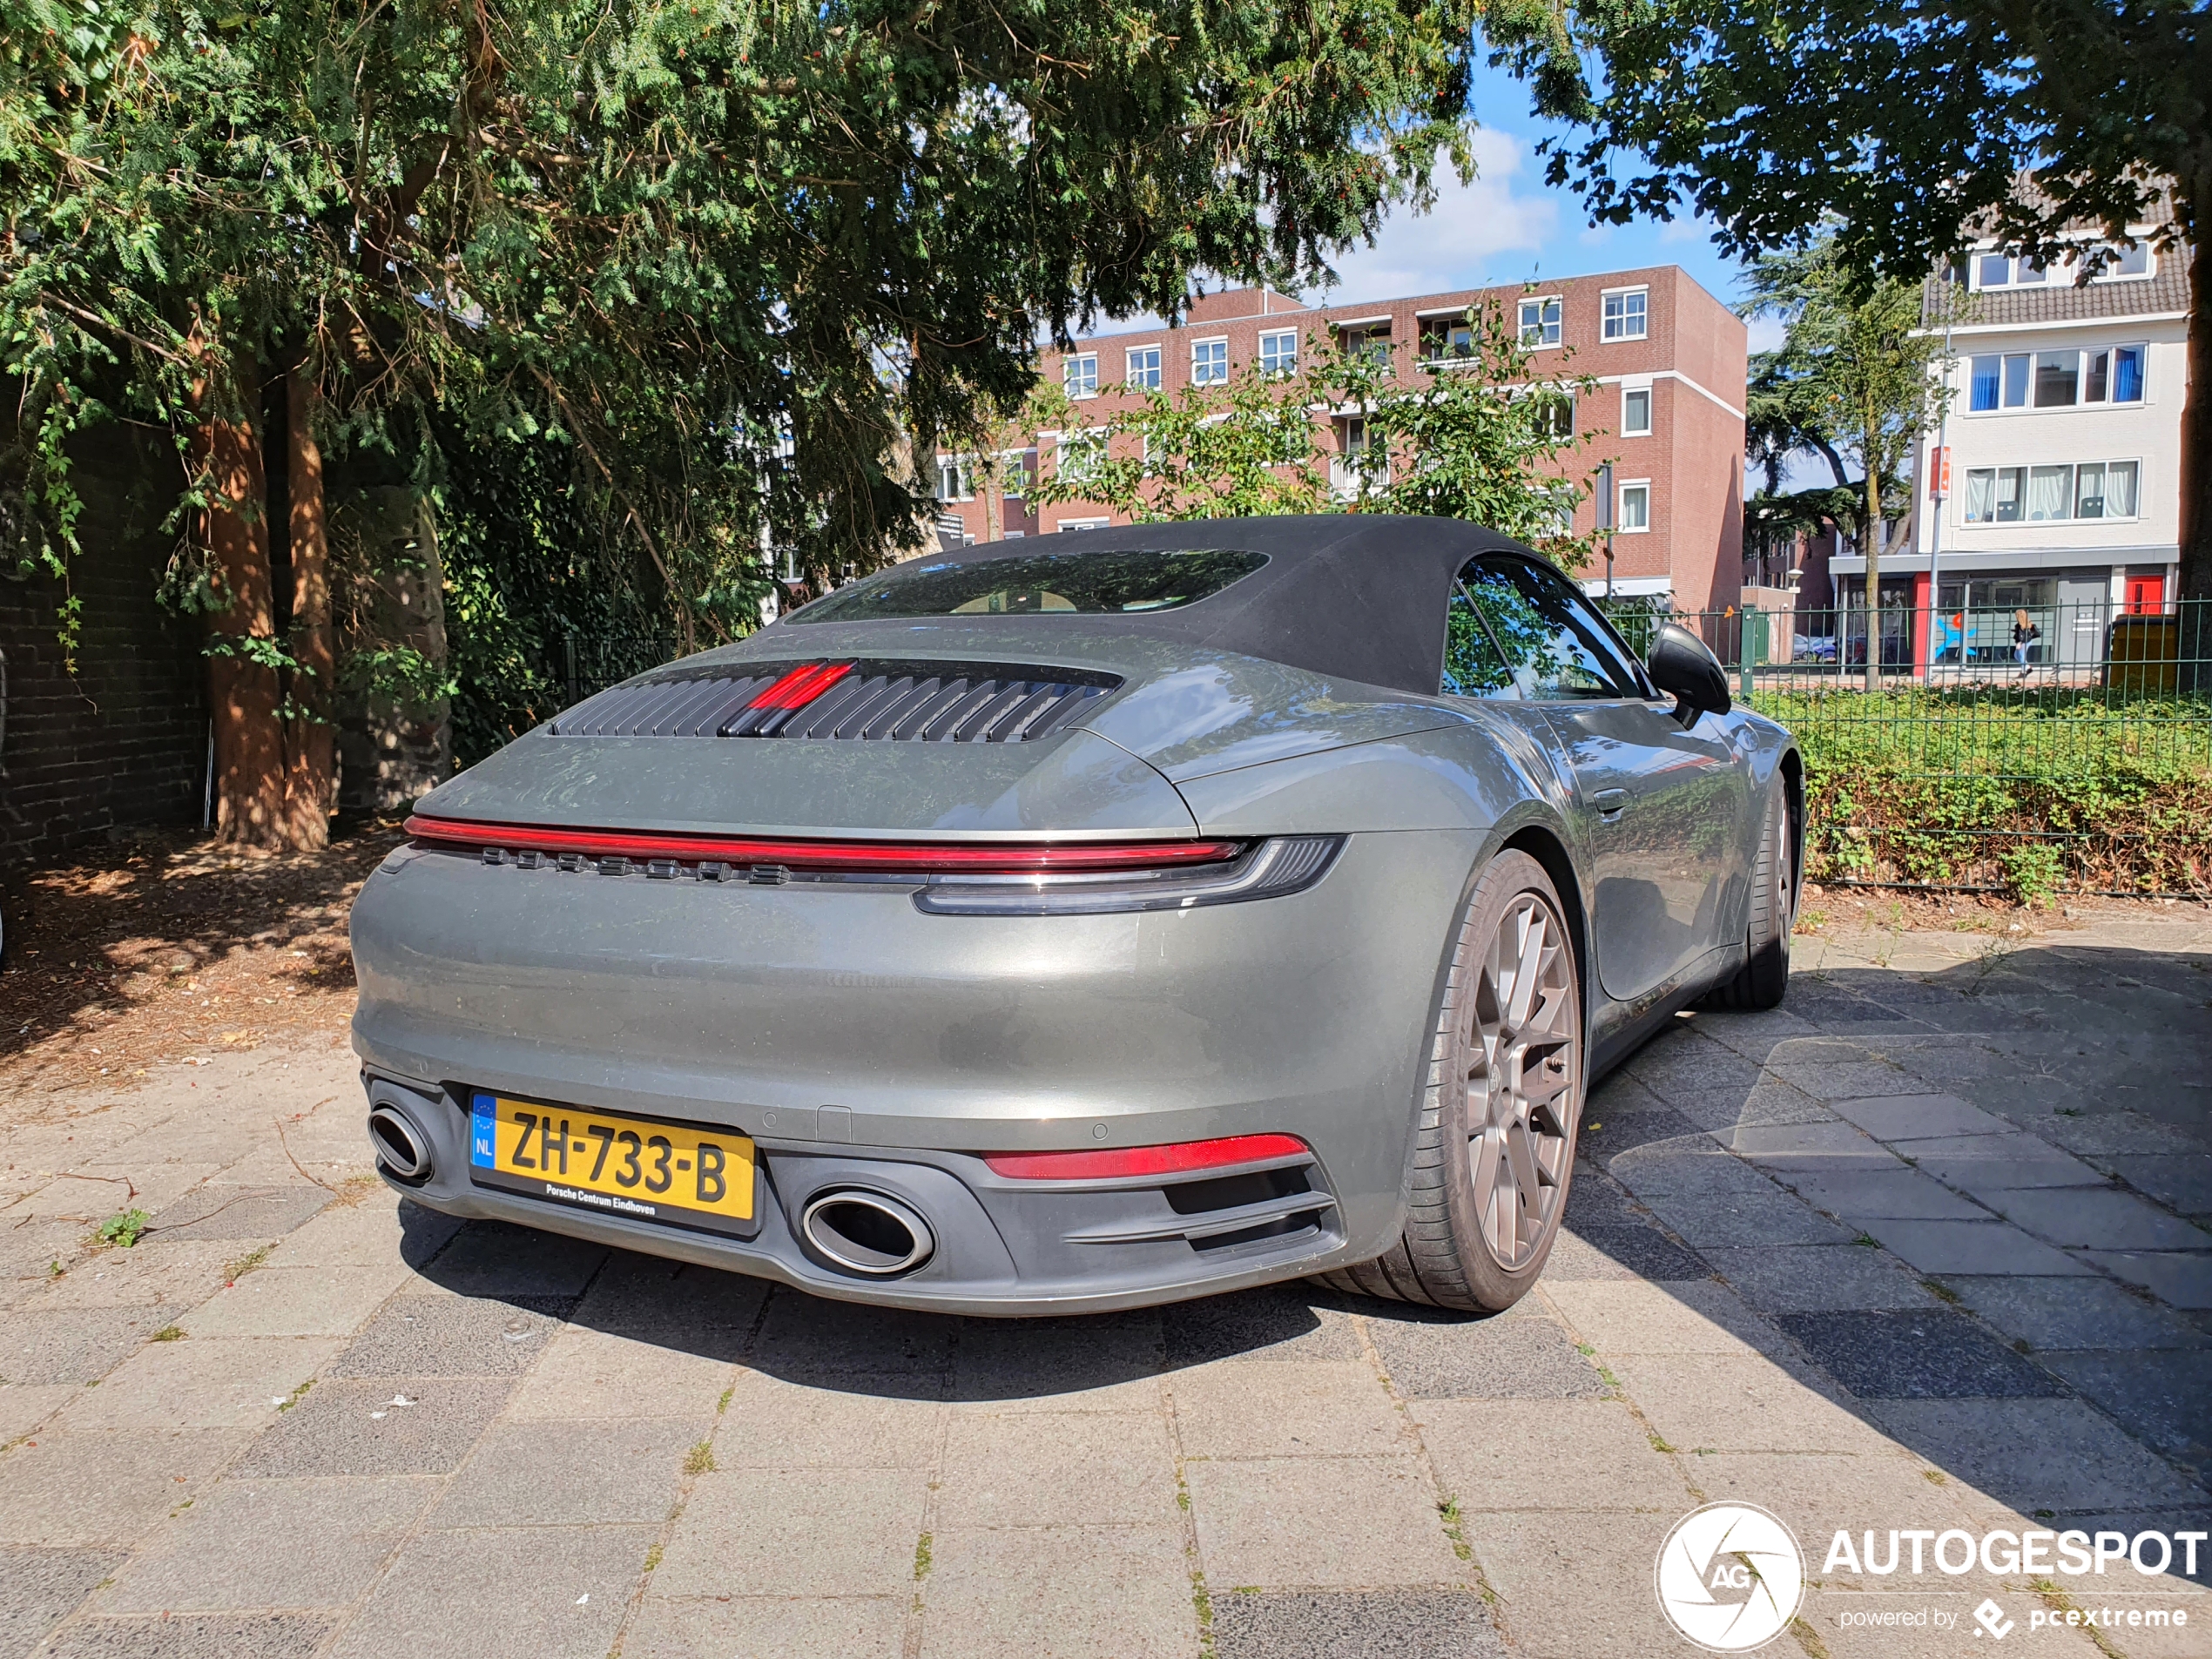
(124, 740)
(1691, 357)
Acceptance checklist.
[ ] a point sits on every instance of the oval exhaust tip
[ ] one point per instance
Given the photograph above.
(867, 1232)
(400, 1146)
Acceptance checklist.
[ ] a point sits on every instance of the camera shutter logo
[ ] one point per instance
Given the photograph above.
(1730, 1577)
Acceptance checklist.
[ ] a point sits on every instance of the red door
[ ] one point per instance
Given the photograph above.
(2147, 595)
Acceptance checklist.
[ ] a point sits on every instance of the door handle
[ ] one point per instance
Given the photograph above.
(1610, 803)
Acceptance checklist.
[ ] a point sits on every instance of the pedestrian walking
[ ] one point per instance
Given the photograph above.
(2025, 636)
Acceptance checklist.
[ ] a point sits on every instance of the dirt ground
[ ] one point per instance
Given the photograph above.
(165, 947)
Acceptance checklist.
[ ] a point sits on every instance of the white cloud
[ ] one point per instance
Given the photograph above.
(1765, 332)
(1459, 242)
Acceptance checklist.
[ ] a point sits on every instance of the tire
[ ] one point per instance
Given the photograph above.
(1763, 980)
(1471, 1239)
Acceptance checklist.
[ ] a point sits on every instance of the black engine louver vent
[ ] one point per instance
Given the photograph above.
(912, 702)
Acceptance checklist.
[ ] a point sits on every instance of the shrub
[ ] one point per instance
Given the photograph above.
(2031, 792)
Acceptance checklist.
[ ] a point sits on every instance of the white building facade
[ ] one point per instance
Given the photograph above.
(2064, 437)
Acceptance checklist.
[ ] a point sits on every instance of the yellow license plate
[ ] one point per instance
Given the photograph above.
(635, 1167)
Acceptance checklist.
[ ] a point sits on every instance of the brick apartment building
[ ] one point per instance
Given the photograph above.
(1667, 411)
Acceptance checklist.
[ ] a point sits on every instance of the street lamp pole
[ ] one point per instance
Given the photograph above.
(1605, 521)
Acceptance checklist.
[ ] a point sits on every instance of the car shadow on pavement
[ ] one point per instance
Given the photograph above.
(1958, 1207)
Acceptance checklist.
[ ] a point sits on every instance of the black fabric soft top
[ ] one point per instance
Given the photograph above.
(1355, 596)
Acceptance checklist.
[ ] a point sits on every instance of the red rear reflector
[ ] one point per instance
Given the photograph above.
(1177, 1158)
(915, 858)
(800, 686)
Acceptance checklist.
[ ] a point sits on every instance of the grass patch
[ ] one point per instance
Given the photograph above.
(297, 1395)
(170, 1333)
(700, 1459)
(2059, 1602)
(1809, 1639)
(123, 1230)
(234, 1272)
(1201, 1604)
(1941, 1291)
(652, 1558)
(1456, 1528)
(921, 1557)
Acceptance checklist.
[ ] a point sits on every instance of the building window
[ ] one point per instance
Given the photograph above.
(1555, 415)
(1635, 413)
(1081, 524)
(1370, 341)
(1209, 362)
(956, 478)
(2059, 380)
(1636, 508)
(2115, 377)
(1355, 463)
(2001, 270)
(1278, 352)
(1446, 338)
(2089, 490)
(1081, 454)
(1625, 314)
(1079, 374)
(2125, 263)
(1539, 322)
(1144, 367)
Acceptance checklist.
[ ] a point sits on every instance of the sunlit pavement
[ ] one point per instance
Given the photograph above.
(1923, 1252)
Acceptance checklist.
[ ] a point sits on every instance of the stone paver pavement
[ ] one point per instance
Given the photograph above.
(1925, 1251)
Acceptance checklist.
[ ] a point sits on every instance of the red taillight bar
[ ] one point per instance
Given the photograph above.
(800, 686)
(1177, 1158)
(914, 858)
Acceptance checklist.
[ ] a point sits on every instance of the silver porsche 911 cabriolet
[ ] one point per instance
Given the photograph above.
(1053, 925)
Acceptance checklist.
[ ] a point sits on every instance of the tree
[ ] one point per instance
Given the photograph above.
(1240, 450)
(1477, 434)
(731, 259)
(1852, 379)
(1917, 128)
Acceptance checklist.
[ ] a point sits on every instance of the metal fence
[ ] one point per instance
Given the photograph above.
(2030, 748)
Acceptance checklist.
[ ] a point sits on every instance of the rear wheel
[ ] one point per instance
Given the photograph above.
(1494, 1146)
(1765, 978)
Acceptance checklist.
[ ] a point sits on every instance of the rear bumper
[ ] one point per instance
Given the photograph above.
(863, 1043)
(1004, 1248)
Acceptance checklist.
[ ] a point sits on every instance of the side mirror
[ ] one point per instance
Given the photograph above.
(1681, 665)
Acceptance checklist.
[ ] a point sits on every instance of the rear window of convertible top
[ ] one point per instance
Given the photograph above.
(1109, 582)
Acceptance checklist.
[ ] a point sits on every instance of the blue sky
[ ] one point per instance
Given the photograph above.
(1507, 225)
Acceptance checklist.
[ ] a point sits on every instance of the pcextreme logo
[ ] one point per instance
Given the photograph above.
(1730, 1577)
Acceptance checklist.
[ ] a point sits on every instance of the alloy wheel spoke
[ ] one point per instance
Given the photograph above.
(1528, 969)
(1487, 1165)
